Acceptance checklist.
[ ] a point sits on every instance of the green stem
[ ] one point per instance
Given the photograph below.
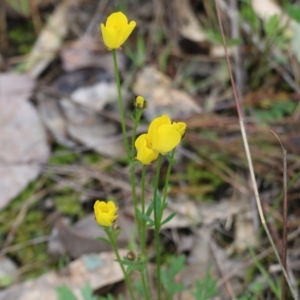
(140, 223)
(122, 115)
(146, 282)
(143, 241)
(157, 227)
(134, 200)
(112, 239)
(138, 114)
(144, 234)
(167, 182)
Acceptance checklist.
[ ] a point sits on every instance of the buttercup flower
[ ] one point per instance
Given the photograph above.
(116, 30)
(105, 213)
(162, 137)
(144, 152)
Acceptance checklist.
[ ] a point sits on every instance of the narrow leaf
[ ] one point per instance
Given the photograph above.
(63, 293)
(150, 209)
(147, 219)
(104, 240)
(167, 219)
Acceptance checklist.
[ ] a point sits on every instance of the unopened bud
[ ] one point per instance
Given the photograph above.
(140, 102)
(131, 256)
(115, 227)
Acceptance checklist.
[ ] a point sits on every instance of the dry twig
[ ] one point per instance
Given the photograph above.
(249, 159)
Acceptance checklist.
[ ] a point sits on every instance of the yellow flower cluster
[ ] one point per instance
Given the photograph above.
(105, 213)
(162, 137)
(116, 30)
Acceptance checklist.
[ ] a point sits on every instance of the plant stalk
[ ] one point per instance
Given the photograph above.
(115, 248)
(120, 101)
(157, 228)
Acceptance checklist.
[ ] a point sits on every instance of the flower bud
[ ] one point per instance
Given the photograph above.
(131, 256)
(115, 227)
(140, 102)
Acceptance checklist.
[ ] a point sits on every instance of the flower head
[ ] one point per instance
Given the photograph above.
(162, 137)
(144, 152)
(105, 213)
(116, 30)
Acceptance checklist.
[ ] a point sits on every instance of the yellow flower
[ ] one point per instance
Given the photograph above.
(116, 30)
(144, 152)
(140, 102)
(164, 136)
(105, 213)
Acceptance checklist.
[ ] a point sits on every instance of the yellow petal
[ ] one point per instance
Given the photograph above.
(100, 205)
(155, 124)
(144, 153)
(110, 37)
(125, 32)
(105, 213)
(165, 139)
(180, 127)
(111, 205)
(103, 220)
(117, 20)
(141, 141)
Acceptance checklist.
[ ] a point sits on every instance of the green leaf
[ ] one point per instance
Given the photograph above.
(132, 265)
(271, 25)
(167, 219)
(176, 265)
(146, 218)
(64, 293)
(87, 293)
(205, 289)
(150, 209)
(294, 11)
(249, 15)
(273, 286)
(104, 240)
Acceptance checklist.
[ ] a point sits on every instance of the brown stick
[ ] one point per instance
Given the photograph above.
(249, 159)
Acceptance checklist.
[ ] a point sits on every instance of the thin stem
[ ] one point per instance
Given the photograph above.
(144, 233)
(249, 159)
(140, 222)
(145, 283)
(143, 241)
(134, 200)
(157, 227)
(120, 100)
(115, 248)
(167, 181)
(138, 114)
